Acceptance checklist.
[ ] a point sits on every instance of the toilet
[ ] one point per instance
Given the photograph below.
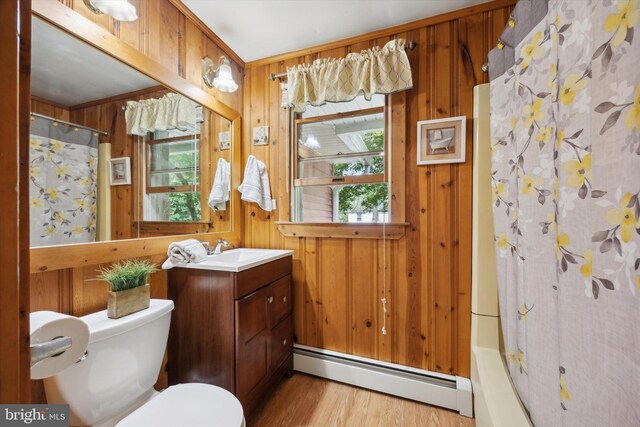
(112, 384)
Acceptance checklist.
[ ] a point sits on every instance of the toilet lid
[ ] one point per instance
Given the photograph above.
(193, 405)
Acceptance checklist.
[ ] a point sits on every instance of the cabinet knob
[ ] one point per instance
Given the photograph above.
(270, 300)
(284, 298)
(284, 342)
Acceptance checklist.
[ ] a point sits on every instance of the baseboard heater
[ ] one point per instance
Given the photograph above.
(437, 389)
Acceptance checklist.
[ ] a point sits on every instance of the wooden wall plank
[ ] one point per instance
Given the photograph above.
(334, 290)
(363, 298)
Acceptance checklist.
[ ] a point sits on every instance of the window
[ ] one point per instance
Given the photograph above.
(172, 190)
(340, 169)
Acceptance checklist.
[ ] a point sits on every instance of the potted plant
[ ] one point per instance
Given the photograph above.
(129, 288)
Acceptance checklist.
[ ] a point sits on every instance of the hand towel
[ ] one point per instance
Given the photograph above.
(219, 195)
(184, 252)
(255, 185)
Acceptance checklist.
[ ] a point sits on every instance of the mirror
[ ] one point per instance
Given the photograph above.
(116, 155)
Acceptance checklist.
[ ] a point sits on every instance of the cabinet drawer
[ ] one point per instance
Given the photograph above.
(279, 305)
(255, 278)
(281, 342)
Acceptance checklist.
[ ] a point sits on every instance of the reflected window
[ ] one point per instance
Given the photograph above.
(340, 166)
(172, 191)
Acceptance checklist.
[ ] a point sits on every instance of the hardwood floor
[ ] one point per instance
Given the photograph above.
(304, 400)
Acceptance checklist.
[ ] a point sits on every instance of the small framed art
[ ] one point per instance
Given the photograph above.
(442, 141)
(120, 171)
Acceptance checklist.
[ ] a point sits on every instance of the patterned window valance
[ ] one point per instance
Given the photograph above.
(379, 70)
(172, 111)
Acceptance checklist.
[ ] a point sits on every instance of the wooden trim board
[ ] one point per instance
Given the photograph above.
(392, 231)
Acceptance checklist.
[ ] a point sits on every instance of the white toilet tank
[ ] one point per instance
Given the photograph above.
(122, 365)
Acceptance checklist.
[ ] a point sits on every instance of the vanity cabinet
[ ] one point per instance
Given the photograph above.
(233, 330)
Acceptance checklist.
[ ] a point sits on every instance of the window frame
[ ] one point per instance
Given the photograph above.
(296, 182)
(148, 189)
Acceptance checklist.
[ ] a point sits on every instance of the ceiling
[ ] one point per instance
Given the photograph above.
(69, 72)
(259, 29)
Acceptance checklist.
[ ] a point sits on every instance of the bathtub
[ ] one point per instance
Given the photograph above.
(496, 402)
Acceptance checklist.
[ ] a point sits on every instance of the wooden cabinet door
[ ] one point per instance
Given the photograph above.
(252, 342)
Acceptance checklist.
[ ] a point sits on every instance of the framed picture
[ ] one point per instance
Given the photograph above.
(441, 141)
(224, 140)
(261, 135)
(120, 171)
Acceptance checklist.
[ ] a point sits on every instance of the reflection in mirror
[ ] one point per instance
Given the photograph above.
(114, 154)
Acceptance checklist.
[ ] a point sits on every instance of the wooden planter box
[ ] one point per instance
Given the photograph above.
(127, 302)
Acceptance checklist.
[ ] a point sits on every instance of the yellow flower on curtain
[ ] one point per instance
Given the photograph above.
(34, 171)
(56, 145)
(78, 230)
(572, 84)
(564, 394)
(580, 170)
(51, 230)
(533, 113)
(623, 217)
(503, 241)
(530, 184)
(638, 282)
(35, 143)
(532, 50)
(543, 134)
(500, 191)
(61, 171)
(621, 22)
(36, 203)
(54, 194)
(587, 268)
(79, 203)
(514, 122)
(58, 216)
(512, 357)
(559, 137)
(632, 119)
(521, 363)
(562, 241)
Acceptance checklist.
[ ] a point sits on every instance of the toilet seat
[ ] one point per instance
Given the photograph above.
(188, 405)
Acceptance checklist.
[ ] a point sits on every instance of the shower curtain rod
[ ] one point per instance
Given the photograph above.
(64, 122)
(409, 46)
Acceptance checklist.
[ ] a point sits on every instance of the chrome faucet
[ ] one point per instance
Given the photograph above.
(218, 249)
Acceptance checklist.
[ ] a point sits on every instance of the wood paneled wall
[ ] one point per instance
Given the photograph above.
(427, 273)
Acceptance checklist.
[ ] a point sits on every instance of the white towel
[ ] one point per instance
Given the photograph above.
(184, 252)
(255, 185)
(219, 195)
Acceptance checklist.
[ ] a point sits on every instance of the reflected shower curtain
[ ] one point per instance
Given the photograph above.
(565, 124)
(62, 189)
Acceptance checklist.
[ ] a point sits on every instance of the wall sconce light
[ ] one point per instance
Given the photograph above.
(120, 10)
(219, 77)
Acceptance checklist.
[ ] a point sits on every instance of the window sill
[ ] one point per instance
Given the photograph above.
(392, 231)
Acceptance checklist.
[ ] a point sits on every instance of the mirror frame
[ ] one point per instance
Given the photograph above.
(50, 258)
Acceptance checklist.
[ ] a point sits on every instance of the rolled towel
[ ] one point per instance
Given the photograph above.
(184, 252)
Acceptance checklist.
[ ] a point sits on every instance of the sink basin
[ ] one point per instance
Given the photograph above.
(239, 259)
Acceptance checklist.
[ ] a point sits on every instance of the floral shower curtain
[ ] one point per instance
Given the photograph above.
(62, 189)
(565, 124)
